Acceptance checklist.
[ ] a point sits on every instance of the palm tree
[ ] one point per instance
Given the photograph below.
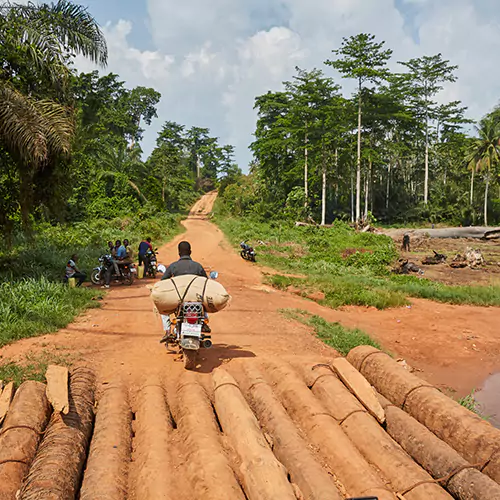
(484, 154)
(37, 43)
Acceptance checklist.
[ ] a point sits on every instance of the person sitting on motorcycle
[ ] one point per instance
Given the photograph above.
(185, 265)
(119, 249)
(144, 246)
(112, 252)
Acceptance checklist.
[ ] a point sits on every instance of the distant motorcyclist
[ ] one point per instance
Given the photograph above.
(185, 265)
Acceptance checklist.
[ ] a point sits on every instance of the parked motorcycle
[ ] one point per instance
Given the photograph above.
(247, 252)
(152, 269)
(189, 330)
(98, 274)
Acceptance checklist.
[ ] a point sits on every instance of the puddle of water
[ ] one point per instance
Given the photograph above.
(489, 399)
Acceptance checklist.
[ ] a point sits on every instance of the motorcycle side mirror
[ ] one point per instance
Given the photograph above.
(214, 275)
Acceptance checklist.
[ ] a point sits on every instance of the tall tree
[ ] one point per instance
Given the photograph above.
(484, 154)
(36, 120)
(424, 81)
(360, 57)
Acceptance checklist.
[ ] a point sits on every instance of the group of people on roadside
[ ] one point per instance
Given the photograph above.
(121, 254)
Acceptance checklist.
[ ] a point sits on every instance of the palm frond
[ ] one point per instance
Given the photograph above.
(32, 130)
(61, 27)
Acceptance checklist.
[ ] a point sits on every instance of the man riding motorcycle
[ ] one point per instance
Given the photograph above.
(185, 265)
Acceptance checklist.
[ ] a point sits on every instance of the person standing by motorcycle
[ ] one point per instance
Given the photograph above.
(185, 265)
(144, 247)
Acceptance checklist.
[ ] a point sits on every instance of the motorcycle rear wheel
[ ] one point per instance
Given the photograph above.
(128, 279)
(95, 277)
(189, 359)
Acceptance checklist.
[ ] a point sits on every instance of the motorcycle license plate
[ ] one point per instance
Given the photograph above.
(190, 330)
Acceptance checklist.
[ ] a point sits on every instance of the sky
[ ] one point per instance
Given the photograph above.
(210, 59)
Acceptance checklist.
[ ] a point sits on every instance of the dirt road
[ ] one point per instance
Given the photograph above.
(456, 347)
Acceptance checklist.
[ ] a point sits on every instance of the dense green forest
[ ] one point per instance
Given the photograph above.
(393, 151)
(72, 172)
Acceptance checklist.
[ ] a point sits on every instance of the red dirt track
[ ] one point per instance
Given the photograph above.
(454, 346)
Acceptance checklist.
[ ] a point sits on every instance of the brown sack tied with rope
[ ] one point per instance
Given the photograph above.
(169, 294)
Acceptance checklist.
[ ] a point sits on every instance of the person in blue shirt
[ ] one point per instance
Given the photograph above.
(144, 247)
(121, 251)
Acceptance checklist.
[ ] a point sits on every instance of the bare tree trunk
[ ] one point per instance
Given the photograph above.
(336, 177)
(352, 197)
(426, 181)
(388, 186)
(323, 196)
(367, 195)
(358, 168)
(486, 198)
(472, 186)
(198, 167)
(306, 173)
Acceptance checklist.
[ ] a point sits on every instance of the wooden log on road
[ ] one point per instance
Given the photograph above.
(56, 471)
(471, 436)
(348, 464)
(208, 465)
(5, 400)
(106, 475)
(290, 448)
(263, 477)
(19, 438)
(438, 458)
(363, 430)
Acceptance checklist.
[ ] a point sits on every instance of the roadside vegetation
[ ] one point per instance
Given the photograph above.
(347, 267)
(72, 173)
(339, 337)
(471, 404)
(33, 367)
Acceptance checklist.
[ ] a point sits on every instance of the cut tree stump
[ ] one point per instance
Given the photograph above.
(5, 399)
(57, 388)
(360, 387)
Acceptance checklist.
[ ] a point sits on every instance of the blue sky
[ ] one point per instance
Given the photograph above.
(210, 59)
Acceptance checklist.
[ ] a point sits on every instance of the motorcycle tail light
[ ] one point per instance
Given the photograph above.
(191, 318)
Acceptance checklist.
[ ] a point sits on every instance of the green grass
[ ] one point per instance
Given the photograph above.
(349, 268)
(33, 300)
(472, 405)
(32, 307)
(339, 337)
(33, 367)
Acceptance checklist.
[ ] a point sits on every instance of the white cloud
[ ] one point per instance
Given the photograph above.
(211, 59)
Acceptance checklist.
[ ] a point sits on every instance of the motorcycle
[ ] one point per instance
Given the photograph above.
(189, 330)
(247, 252)
(152, 263)
(98, 274)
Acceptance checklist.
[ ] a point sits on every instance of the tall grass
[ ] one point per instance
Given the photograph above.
(32, 307)
(350, 268)
(339, 337)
